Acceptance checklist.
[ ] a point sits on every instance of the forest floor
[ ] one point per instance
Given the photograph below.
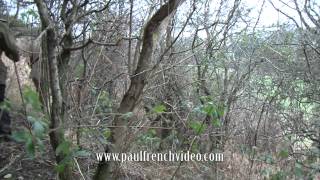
(15, 162)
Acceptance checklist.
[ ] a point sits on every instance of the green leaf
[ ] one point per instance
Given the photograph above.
(60, 167)
(81, 153)
(79, 70)
(220, 111)
(21, 136)
(284, 153)
(30, 148)
(198, 109)
(209, 109)
(278, 176)
(159, 108)
(31, 119)
(206, 98)
(195, 147)
(38, 129)
(40, 144)
(216, 122)
(64, 148)
(197, 127)
(31, 97)
(151, 133)
(107, 133)
(32, 12)
(5, 105)
(269, 159)
(266, 172)
(298, 171)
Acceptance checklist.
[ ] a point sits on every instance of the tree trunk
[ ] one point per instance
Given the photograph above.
(131, 98)
(56, 131)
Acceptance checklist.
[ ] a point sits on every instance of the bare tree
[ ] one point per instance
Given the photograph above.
(120, 134)
(56, 132)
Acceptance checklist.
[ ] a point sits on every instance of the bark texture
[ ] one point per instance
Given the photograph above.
(120, 135)
(56, 131)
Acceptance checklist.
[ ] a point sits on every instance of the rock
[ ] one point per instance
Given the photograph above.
(8, 176)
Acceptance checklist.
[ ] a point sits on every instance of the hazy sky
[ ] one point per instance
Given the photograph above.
(269, 15)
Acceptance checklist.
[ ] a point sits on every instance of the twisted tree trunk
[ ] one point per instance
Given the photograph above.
(120, 134)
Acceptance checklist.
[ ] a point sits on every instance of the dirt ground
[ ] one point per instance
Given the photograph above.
(15, 163)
